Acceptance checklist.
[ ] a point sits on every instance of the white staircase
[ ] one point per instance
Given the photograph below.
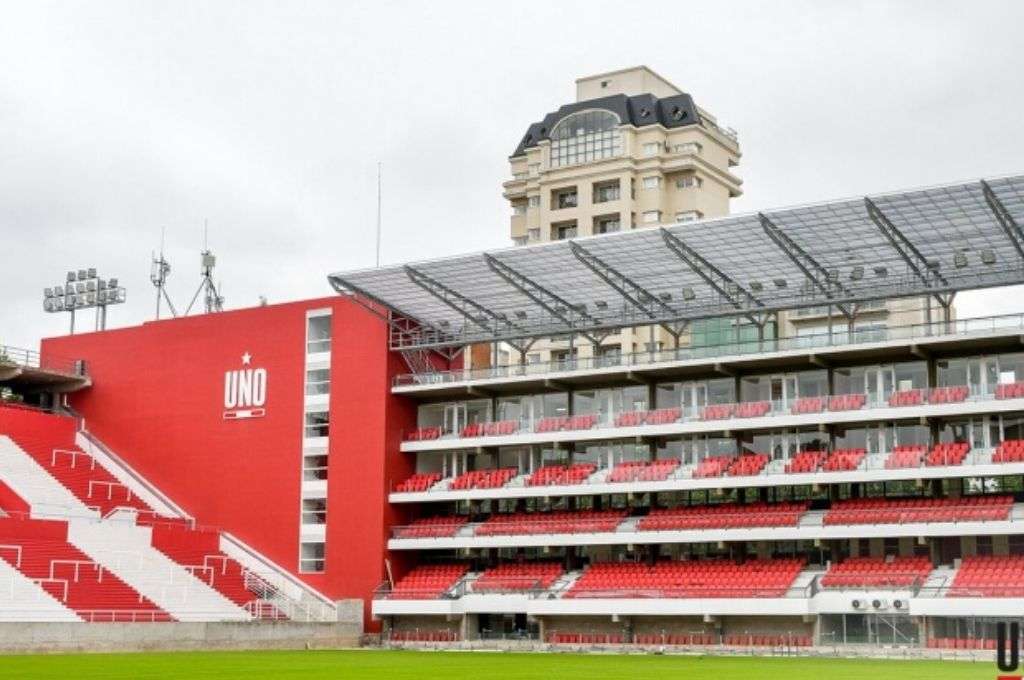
(800, 586)
(126, 551)
(23, 600)
(44, 494)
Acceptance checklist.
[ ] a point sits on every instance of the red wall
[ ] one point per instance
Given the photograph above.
(157, 400)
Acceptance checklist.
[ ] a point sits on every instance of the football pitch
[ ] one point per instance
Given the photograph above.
(407, 665)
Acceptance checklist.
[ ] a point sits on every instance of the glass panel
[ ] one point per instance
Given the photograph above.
(318, 334)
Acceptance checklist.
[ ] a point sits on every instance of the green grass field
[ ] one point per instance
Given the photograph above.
(405, 665)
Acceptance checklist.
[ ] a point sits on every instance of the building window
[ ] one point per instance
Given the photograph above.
(533, 234)
(689, 182)
(584, 137)
(651, 149)
(689, 216)
(563, 230)
(652, 216)
(688, 147)
(314, 511)
(607, 191)
(534, 358)
(607, 224)
(564, 198)
(652, 182)
(317, 424)
(314, 467)
(311, 557)
(318, 381)
(533, 201)
(318, 334)
(518, 208)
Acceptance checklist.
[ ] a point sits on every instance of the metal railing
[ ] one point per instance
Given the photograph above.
(28, 358)
(839, 338)
(723, 411)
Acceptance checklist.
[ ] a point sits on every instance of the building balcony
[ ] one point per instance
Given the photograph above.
(793, 351)
(724, 472)
(951, 401)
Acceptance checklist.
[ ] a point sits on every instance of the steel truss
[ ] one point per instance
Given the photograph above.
(816, 274)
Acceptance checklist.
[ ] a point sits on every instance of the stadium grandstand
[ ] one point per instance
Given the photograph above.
(338, 455)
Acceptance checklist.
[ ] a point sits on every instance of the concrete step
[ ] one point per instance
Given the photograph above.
(45, 495)
(23, 600)
(126, 550)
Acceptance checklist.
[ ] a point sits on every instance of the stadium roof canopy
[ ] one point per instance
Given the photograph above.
(923, 242)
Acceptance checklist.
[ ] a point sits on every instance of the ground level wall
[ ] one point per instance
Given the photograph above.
(136, 637)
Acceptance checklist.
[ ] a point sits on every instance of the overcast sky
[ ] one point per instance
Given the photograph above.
(268, 119)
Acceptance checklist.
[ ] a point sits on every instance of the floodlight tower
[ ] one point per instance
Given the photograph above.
(84, 289)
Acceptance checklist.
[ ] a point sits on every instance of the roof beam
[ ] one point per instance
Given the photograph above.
(1005, 219)
(812, 269)
(344, 286)
(917, 262)
(635, 294)
(483, 317)
(738, 296)
(547, 300)
(632, 292)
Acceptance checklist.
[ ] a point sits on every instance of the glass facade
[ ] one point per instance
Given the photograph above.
(585, 137)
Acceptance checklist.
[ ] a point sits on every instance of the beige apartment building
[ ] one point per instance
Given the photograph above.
(634, 151)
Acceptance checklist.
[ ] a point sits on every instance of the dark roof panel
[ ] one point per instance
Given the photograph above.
(639, 111)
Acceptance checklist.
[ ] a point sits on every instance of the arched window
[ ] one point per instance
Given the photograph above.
(585, 136)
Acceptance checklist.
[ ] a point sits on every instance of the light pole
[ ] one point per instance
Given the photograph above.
(84, 289)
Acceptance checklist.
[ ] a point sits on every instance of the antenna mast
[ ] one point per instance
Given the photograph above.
(378, 211)
(213, 301)
(159, 270)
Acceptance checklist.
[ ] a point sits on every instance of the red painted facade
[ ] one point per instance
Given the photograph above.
(157, 399)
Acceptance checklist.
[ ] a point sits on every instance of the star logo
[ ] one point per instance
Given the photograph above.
(246, 359)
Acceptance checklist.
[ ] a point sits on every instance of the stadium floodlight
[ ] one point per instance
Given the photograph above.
(83, 288)
(988, 256)
(689, 294)
(960, 259)
(756, 286)
(520, 314)
(857, 273)
(780, 283)
(666, 297)
(601, 304)
(881, 272)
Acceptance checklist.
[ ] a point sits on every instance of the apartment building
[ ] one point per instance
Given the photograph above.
(635, 151)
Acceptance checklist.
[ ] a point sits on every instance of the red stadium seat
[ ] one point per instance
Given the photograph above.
(419, 482)
(518, 577)
(40, 550)
(843, 460)
(806, 461)
(643, 471)
(723, 516)
(483, 479)
(427, 582)
(561, 522)
(872, 572)
(989, 576)
(914, 510)
(561, 475)
(687, 579)
(432, 527)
